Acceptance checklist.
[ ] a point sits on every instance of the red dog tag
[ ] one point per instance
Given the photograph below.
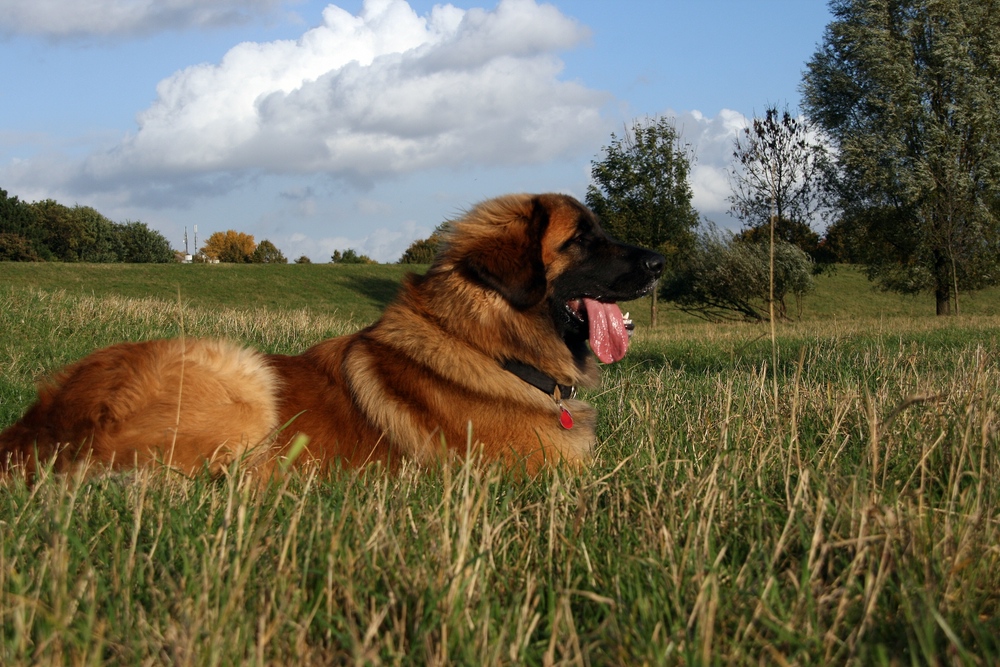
(565, 418)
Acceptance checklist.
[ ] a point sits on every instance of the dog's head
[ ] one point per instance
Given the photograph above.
(549, 252)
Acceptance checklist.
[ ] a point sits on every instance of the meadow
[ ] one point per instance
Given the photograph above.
(851, 518)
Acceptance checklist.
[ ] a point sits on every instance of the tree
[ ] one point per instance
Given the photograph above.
(58, 233)
(101, 242)
(78, 234)
(140, 244)
(303, 260)
(778, 177)
(909, 92)
(23, 237)
(423, 251)
(48, 230)
(350, 256)
(267, 253)
(724, 277)
(230, 246)
(641, 191)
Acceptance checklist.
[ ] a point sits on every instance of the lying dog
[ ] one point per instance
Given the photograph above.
(487, 349)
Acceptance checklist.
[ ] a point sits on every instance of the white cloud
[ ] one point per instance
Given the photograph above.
(103, 18)
(383, 93)
(712, 140)
(381, 244)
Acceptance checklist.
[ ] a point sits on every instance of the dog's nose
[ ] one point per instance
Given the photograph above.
(654, 263)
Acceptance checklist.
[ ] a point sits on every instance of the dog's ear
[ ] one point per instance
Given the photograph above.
(511, 261)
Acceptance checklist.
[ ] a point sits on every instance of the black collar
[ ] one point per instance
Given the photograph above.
(539, 380)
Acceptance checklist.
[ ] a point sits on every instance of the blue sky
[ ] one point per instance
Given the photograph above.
(365, 123)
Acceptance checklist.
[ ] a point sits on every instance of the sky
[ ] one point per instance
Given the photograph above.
(366, 123)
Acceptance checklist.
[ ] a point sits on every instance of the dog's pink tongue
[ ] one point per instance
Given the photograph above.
(608, 336)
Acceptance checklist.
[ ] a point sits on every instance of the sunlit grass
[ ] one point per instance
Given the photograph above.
(349, 291)
(855, 521)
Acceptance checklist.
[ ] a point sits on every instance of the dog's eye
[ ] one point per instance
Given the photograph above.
(577, 240)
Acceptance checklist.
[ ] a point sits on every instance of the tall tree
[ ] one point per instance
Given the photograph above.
(777, 178)
(230, 246)
(909, 91)
(641, 191)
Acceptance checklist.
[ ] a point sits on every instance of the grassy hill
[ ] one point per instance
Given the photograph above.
(360, 292)
(352, 291)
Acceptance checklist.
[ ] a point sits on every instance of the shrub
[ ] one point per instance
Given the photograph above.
(350, 256)
(140, 244)
(267, 253)
(421, 251)
(230, 246)
(16, 248)
(724, 278)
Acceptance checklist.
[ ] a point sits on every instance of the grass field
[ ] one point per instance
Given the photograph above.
(854, 520)
(356, 292)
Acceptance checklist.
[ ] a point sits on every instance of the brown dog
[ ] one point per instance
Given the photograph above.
(485, 349)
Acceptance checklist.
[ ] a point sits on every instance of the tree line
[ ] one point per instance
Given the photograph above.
(46, 231)
(49, 231)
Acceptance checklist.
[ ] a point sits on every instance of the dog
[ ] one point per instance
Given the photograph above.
(484, 351)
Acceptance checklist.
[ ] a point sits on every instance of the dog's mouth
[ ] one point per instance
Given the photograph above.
(609, 331)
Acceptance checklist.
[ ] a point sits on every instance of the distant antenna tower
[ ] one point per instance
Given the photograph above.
(186, 240)
(196, 238)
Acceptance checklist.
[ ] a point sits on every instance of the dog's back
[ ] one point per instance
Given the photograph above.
(181, 402)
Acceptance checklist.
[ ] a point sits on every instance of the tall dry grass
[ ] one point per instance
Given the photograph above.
(855, 522)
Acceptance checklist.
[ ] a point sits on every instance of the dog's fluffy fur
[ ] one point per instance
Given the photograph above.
(432, 375)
